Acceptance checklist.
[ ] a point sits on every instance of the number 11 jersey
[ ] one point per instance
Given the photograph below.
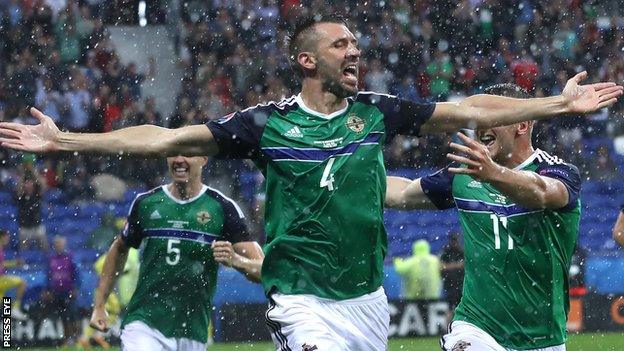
(516, 259)
(325, 188)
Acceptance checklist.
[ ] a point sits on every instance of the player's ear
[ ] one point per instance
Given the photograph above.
(306, 60)
(524, 127)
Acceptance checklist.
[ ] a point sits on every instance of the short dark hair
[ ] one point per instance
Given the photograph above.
(508, 90)
(298, 38)
(3, 232)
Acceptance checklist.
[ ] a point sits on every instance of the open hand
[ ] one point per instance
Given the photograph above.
(591, 97)
(38, 138)
(477, 159)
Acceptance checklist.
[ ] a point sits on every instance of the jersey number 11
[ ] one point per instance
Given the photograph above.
(496, 222)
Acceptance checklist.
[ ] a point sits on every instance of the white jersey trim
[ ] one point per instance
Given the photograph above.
(302, 105)
(238, 209)
(182, 202)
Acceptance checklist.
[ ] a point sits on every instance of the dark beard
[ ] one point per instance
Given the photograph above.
(332, 84)
(337, 89)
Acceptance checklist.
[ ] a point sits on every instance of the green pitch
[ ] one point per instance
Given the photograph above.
(576, 342)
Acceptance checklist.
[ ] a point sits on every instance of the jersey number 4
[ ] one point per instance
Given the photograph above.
(496, 222)
(327, 180)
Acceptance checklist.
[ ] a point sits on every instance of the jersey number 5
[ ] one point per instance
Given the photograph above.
(173, 250)
(496, 221)
(327, 180)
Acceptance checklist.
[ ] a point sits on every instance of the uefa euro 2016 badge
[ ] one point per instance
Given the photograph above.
(355, 123)
(203, 217)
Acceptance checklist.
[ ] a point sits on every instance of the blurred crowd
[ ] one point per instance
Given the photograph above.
(57, 55)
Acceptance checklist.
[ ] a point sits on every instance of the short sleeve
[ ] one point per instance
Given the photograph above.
(238, 134)
(439, 188)
(132, 233)
(400, 116)
(569, 175)
(234, 227)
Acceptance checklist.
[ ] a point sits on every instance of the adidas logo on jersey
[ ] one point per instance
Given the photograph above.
(155, 215)
(294, 132)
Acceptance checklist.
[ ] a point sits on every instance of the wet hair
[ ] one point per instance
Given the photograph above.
(508, 90)
(3, 233)
(302, 35)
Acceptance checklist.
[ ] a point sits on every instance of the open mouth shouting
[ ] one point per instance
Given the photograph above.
(350, 73)
(487, 139)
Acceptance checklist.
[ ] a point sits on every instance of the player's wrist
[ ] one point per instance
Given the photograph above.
(498, 174)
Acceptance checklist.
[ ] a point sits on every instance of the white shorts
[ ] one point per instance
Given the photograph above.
(307, 323)
(138, 336)
(464, 336)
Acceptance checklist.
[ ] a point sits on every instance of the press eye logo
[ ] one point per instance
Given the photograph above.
(6, 322)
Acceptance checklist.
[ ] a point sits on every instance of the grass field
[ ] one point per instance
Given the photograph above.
(577, 342)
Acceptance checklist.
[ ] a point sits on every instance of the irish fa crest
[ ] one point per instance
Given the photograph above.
(203, 217)
(355, 123)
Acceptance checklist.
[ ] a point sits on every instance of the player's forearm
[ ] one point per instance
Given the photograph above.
(113, 266)
(404, 194)
(486, 111)
(251, 268)
(145, 140)
(527, 189)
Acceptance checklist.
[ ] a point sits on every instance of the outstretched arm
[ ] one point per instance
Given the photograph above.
(403, 193)
(113, 266)
(527, 189)
(246, 257)
(485, 111)
(144, 140)
(618, 229)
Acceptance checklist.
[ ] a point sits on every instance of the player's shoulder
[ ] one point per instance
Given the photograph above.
(228, 204)
(374, 98)
(548, 164)
(261, 112)
(144, 197)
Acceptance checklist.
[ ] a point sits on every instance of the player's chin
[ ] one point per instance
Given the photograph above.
(349, 88)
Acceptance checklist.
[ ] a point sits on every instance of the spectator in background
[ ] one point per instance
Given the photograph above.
(602, 167)
(420, 273)
(28, 193)
(50, 100)
(103, 235)
(8, 282)
(440, 71)
(133, 79)
(378, 77)
(63, 284)
(453, 272)
(78, 100)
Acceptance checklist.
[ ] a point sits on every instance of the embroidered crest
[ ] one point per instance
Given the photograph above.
(355, 123)
(203, 217)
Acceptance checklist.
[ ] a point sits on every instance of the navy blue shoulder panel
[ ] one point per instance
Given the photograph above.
(238, 134)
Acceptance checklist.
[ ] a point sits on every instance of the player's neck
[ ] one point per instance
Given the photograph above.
(185, 191)
(319, 100)
(519, 155)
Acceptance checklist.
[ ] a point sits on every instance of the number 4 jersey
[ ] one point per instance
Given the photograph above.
(178, 274)
(516, 259)
(325, 186)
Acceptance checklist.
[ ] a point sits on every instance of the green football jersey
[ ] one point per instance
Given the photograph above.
(325, 188)
(516, 259)
(178, 274)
